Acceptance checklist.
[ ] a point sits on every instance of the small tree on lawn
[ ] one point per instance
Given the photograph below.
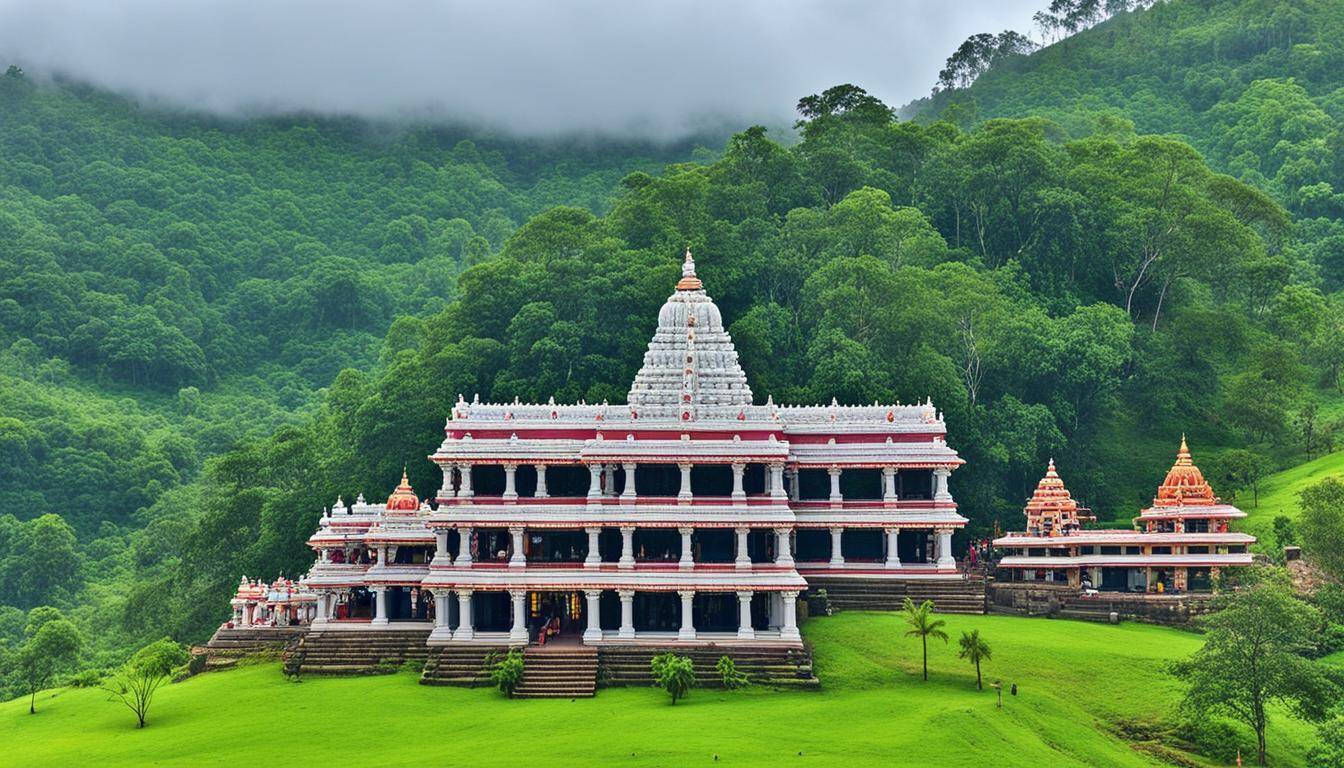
(974, 650)
(1253, 658)
(507, 673)
(674, 674)
(729, 674)
(140, 677)
(52, 645)
(923, 625)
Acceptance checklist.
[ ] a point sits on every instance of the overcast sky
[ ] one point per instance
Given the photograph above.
(619, 67)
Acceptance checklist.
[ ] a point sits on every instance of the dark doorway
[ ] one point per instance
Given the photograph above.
(711, 480)
(915, 484)
(357, 604)
(554, 614)
(487, 480)
(861, 484)
(408, 604)
(1114, 580)
(567, 481)
(713, 545)
(545, 546)
(491, 612)
(657, 479)
(814, 485)
(657, 611)
(813, 545)
(761, 545)
(657, 545)
(715, 611)
(753, 479)
(862, 545)
(913, 545)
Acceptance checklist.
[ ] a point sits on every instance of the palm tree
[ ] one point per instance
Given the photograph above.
(923, 625)
(974, 649)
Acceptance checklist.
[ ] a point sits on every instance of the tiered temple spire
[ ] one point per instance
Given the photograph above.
(1184, 485)
(1051, 511)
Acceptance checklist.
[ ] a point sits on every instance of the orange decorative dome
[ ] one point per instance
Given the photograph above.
(1051, 510)
(1184, 485)
(403, 498)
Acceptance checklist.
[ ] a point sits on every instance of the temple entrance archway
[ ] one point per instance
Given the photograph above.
(555, 616)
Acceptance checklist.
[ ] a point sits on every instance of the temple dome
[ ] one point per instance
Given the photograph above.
(1051, 510)
(403, 498)
(1185, 484)
(691, 361)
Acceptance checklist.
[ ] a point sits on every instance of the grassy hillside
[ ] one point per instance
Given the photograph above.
(1279, 492)
(1076, 681)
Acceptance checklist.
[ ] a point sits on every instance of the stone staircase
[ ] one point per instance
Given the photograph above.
(358, 651)
(462, 665)
(763, 665)
(558, 673)
(1085, 609)
(859, 594)
(228, 646)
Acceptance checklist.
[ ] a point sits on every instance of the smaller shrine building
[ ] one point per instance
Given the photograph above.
(1179, 544)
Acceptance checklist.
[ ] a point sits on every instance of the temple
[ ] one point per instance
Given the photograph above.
(1178, 544)
(688, 515)
(282, 603)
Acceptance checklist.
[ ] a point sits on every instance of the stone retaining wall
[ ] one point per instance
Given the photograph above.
(1062, 601)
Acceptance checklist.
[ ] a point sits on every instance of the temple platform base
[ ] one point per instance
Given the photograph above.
(773, 665)
(354, 650)
(1065, 602)
(229, 645)
(952, 593)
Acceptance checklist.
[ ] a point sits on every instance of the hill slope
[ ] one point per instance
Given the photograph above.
(1279, 492)
(1257, 87)
(1076, 683)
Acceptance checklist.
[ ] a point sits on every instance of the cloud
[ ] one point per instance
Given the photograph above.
(609, 67)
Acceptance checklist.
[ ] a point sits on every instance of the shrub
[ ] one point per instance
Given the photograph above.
(507, 672)
(89, 678)
(729, 673)
(674, 674)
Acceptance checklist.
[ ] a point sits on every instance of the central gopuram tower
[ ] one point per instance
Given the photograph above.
(690, 514)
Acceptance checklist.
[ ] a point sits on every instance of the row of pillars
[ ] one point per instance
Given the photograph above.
(603, 476)
(593, 614)
(783, 548)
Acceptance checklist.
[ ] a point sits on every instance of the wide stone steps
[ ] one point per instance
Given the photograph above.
(467, 666)
(358, 652)
(959, 596)
(630, 665)
(552, 674)
(228, 646)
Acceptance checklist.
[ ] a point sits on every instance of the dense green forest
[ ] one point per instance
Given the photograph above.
(1257, 87)
(171, 284)
(303, 301)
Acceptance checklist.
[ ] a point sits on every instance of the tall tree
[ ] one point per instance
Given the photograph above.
(923, 625)
(1253, 658)
(1322, 524)
(974, 650)
(52, 645)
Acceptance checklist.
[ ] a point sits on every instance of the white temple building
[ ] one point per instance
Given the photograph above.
(688, 515)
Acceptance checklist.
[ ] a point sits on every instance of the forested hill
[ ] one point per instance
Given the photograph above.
(170, 282)
(1257, 87)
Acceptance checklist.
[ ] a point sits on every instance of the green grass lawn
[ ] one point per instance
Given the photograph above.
(1278, 492)
(1075, 680)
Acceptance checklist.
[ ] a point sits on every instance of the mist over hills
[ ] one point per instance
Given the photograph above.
(659, 71)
